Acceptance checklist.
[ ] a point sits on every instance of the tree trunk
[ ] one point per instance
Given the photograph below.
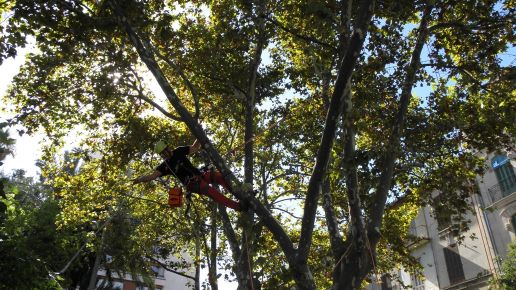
(353, 268)
(98, 255)
(337, 106)
(93, 275)
(303, 277)
(197, 263)
(213, 252)
(246, 219)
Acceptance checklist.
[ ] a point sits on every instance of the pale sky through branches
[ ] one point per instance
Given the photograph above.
(27, 149)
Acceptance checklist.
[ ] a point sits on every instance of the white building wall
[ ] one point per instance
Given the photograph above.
(498, 212)
(426, 258)
(424, 252)
(473, 252)
(490, 231)
(165, 280)
(173, 281)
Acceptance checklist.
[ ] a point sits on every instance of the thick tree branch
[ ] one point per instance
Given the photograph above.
(392, 152)
(355, 211)
(251, 98)
(213, 246)
(336, 242)
(230, 233)
(337, 105)
(245, 260)
(155, 105)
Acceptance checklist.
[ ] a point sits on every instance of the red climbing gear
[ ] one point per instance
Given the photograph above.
(175, 197)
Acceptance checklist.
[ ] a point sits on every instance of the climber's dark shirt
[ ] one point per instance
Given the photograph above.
(178, 165)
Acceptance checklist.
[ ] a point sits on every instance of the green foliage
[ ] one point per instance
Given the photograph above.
(31, 247)
(507, 278)
(6, 142)
(85, 80)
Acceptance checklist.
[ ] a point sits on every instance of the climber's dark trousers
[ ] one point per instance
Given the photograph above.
(201, 184)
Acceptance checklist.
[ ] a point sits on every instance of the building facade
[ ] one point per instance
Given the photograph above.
(469, 264)
(164, 280)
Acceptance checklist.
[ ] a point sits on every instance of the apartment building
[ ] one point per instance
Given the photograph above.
(448, 264)
(164, 280)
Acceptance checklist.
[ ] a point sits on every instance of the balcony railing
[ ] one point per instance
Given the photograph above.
(505, 187)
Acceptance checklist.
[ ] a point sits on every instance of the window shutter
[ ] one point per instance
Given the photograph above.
(453, 265)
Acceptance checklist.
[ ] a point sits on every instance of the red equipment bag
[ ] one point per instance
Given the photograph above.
(175, 197)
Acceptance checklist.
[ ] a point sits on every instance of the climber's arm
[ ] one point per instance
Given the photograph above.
(146, 178)
(195, 147)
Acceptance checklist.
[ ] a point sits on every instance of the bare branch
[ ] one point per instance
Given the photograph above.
(298, 34)
(166, 267)
(191, 87)
(392, 151)
(142, 97)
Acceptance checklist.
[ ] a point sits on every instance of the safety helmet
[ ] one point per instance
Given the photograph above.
(160, 146)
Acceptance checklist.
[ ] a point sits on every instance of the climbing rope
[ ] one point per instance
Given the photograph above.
(372, 258)
(249, 262)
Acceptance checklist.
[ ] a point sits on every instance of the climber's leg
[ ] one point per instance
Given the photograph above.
(215, 177)
(202, 187)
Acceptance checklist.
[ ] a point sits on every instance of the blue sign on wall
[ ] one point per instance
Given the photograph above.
(498, 161)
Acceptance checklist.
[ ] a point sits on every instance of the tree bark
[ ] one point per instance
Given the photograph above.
(213, 253)
(337, 106)
(197, 285)
(92, 284)
(245, 258)
(392, 152)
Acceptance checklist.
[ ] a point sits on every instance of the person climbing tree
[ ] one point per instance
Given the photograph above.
(177, 164)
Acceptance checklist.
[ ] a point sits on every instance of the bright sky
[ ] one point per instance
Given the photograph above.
(26, 150)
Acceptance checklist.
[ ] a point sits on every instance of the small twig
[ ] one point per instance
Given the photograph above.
(298, 35)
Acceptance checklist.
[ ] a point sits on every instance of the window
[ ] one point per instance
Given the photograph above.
(453, 264)
(158, 271)
(417, 282)
(116, 285)
(504, 174)
(443, 213)
(513, 221)
(386, 282)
